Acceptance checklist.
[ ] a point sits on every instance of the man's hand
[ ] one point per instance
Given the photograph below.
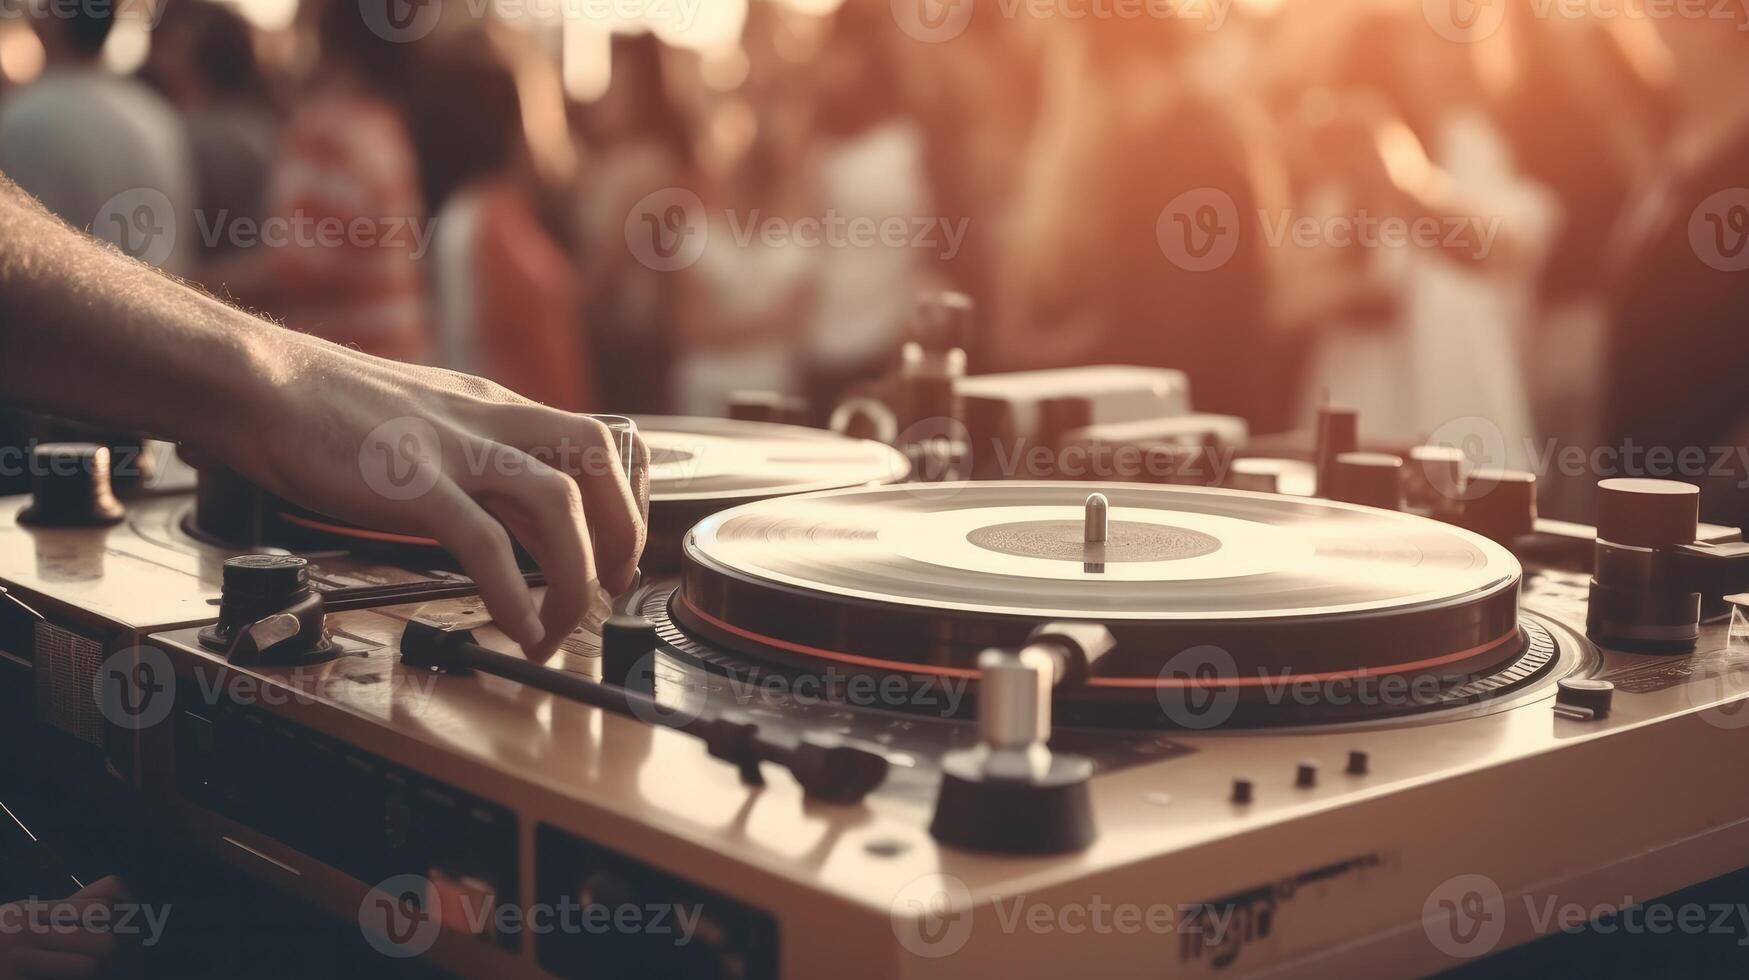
(459, 459)
(89, 333)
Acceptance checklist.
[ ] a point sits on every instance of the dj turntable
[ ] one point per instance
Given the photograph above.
(961, 729)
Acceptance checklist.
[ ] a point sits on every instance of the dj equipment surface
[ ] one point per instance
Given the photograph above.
(891, 729)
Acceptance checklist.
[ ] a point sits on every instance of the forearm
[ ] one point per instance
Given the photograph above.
(88, 332)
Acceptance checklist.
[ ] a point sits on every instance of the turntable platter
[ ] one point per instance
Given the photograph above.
(699, 466)
(694, 459)
(921, 578)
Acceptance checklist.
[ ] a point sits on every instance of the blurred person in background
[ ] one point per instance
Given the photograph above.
(1406, 128)
(1124, 134)
(203, 59)
(507, 302)
(865, 167)
(345, 187)
(1677, 343)
(640, 142)
(101, 150)
(1586, 105)
(745, 302)
(977, 99)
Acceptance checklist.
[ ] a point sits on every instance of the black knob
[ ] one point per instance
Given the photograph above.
(626, 644)
(70, 487)
(941, 321)
(267, 577)
(258, 586)
(1373, 479)
(1357, 763)
(1648, 513)
(1241, 791)
(1585, 694)
(1306, 775)
(768, 406)
(1500, 504)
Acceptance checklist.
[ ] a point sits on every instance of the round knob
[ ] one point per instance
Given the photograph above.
(1500, 504)
(70, 486)
(625, 642)
(1338, 433)
(1585, 694)
(1648, 513)
(768, 406)
(941, 321)
(1434, 477)
(1256, 473)
(1373, 479)
(256, 585)
(1014, 698)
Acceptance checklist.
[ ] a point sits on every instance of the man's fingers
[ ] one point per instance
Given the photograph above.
(544, 510)
(483, 547)
(584, 448)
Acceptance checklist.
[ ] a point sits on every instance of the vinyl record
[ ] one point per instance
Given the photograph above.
(699, 466)
(923, 577)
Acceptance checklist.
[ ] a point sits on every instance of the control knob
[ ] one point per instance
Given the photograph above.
(70, 487)
(1643, 583)
(1012, 794)
(1500, 504)
(268, 613)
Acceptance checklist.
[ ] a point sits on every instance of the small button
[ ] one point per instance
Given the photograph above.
(1584, 696)
(1357, 763)
(1306, 775)
(1241, 791)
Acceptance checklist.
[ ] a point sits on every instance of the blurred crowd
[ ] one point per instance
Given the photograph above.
(1433, 220)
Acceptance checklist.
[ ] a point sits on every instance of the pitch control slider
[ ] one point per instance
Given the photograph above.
(825, 767)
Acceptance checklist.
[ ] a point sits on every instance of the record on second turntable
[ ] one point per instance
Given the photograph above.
(697, 459)
(921, 578)
(699, 466)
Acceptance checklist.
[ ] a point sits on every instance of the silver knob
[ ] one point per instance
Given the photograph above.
(1014, 697)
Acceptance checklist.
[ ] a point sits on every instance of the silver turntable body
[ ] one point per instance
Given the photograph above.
(1052, 782)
